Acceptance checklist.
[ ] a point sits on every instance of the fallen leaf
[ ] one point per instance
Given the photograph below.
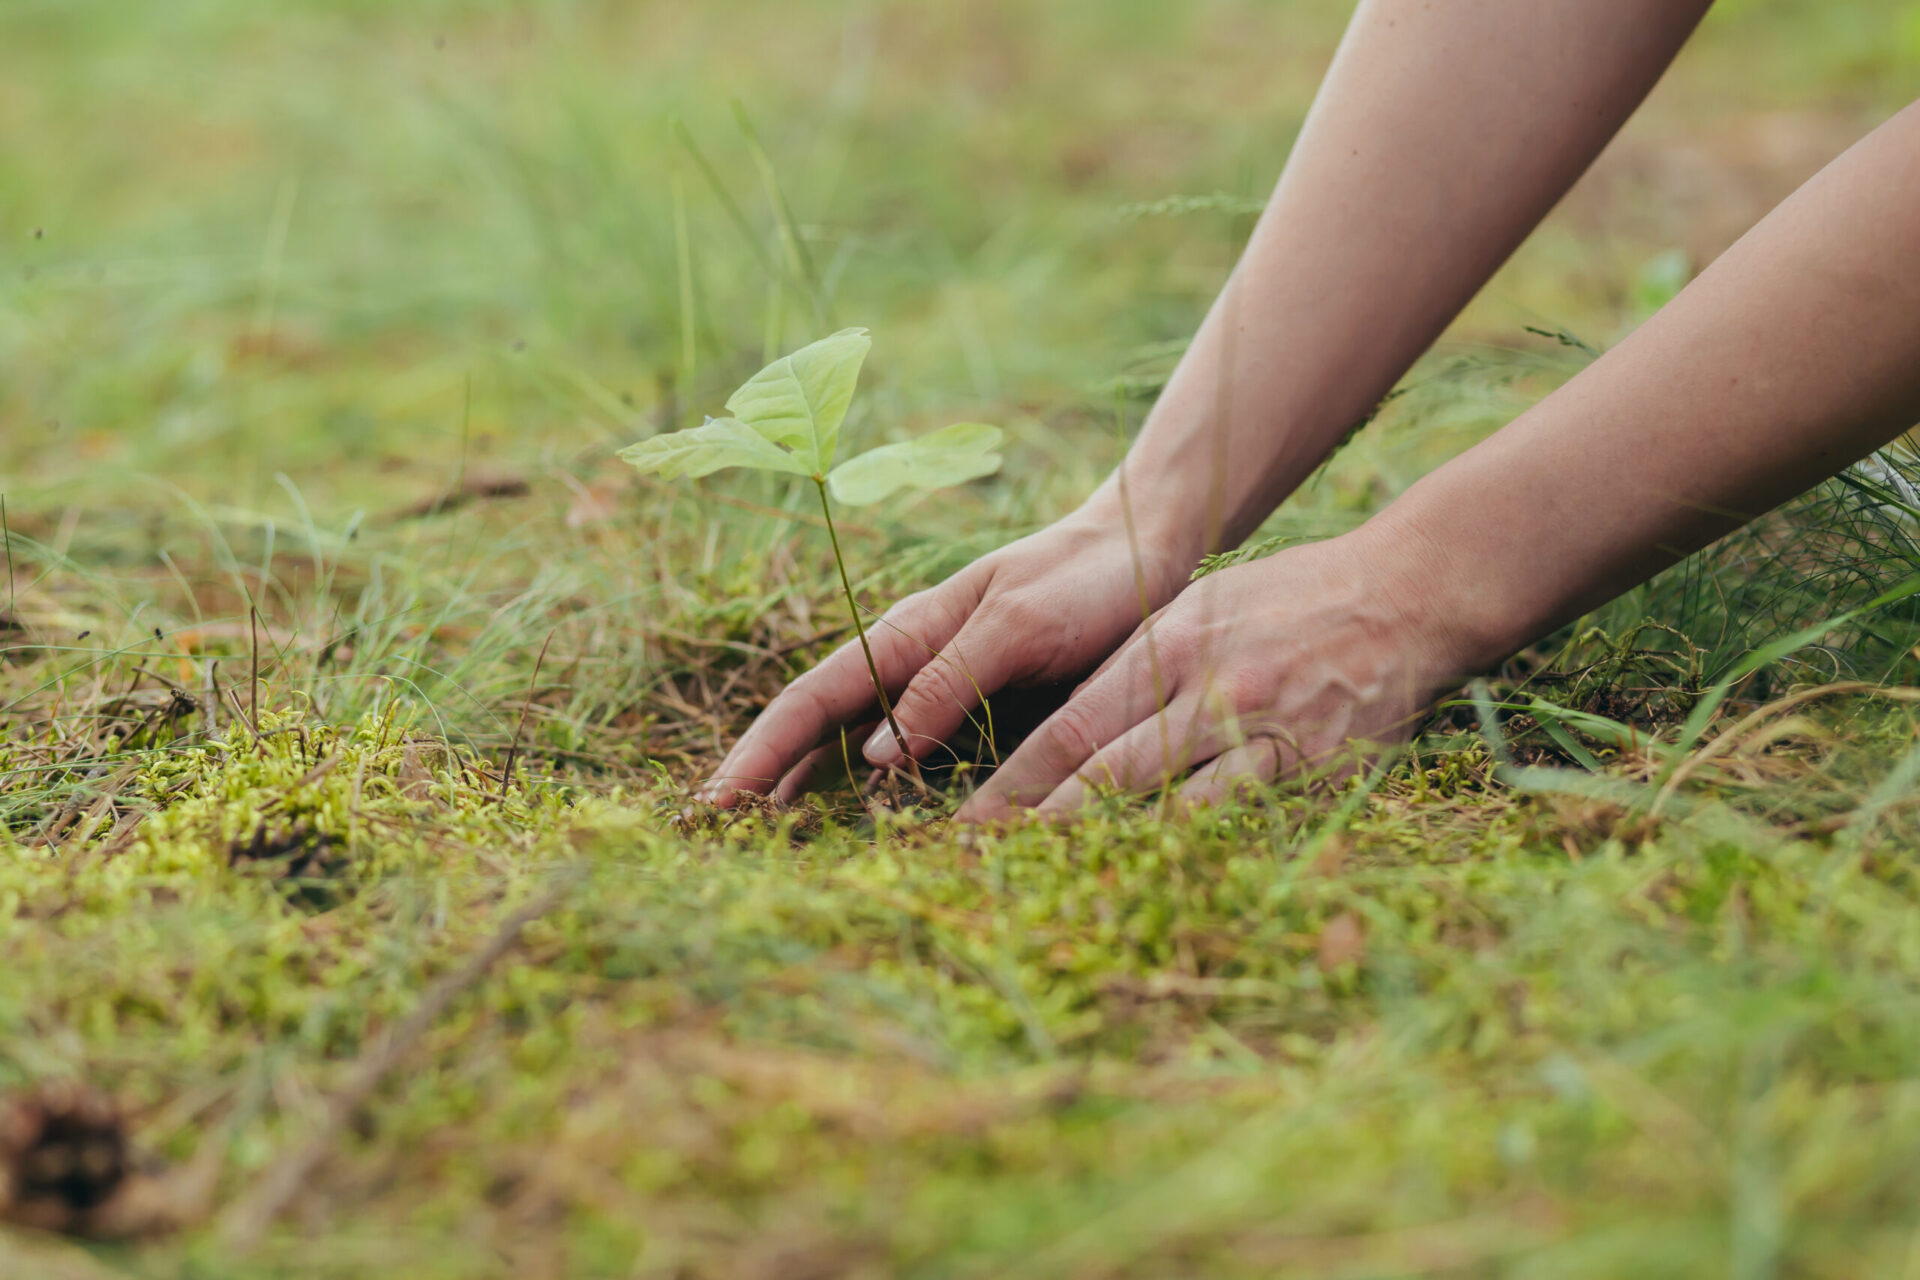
(197, 639)
(595, 502)
(416, 780)
(1343, 941)
(1333, 853)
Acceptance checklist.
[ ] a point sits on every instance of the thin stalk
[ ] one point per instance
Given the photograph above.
(853, 610)
(253, 670)
(506, 771)
(6, 537)
(683, 252)
(727, 202)
(799, 261)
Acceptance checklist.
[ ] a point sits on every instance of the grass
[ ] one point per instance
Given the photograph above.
(318, 331)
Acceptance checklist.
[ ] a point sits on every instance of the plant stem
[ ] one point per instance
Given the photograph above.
(853, 608)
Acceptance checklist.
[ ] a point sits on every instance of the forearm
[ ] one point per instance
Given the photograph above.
(1443, 133)
(1796, 353)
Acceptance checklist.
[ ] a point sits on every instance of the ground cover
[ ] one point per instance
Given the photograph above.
(354, 915)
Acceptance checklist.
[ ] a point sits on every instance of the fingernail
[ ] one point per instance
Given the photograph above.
(881, 749)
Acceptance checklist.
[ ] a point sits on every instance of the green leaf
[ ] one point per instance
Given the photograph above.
(702, 450)
(952, 455)
(800, 400)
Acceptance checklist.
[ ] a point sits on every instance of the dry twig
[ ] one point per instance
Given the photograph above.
(246, 1220)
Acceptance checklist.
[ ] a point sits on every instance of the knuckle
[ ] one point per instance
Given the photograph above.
(807, 682)
(809, 689)
(1073, 730)
(1177, 642)
(1247, 689)
(848, 653)
(944, 682)
(1039, 631)
(1020, 612)
(952, 612)
(947, 676)
(923, 617)
(908, 609)
(922, 695)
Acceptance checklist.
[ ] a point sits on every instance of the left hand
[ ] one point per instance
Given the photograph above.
(1268, 668)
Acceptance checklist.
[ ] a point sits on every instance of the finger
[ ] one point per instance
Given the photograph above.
(948, 689)
(793, 724)
(841, 687)
(1250, 766)
(1150, 754)
(818, 766)
(1098, 714)
(794, 784)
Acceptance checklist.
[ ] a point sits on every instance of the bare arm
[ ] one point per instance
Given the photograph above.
(1794, 354)
(1444, 131)
(1442, 135)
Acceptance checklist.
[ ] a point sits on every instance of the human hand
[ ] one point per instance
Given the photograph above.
(1044, 609)
(1260, 670)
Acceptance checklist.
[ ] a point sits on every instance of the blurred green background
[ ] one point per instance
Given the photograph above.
(346, 241)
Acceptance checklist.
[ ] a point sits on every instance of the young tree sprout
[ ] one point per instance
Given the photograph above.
(787, 418)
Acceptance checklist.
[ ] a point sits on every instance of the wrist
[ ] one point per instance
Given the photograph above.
(1167, 530)
(1450, 603)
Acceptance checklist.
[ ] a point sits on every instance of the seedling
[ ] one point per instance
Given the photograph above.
(787, 418)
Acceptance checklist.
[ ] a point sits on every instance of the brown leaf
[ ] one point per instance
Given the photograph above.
(276, 346)
(1343, 941)
(1332, 855)
(197, 639)
(596, 502)
(416, 780)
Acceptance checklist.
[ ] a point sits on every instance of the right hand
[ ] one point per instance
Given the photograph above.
(1045, 609)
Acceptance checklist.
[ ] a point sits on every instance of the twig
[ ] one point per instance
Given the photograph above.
(57, 825)
(240, 714)
(168, 681)
(319, 771)
(506, 773)
(794, 646)
(465, 489)
(212, 709)
(246, 1220)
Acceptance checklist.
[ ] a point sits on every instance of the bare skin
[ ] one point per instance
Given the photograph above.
(1442, 134)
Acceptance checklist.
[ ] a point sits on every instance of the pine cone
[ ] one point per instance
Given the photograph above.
(63, 1154)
